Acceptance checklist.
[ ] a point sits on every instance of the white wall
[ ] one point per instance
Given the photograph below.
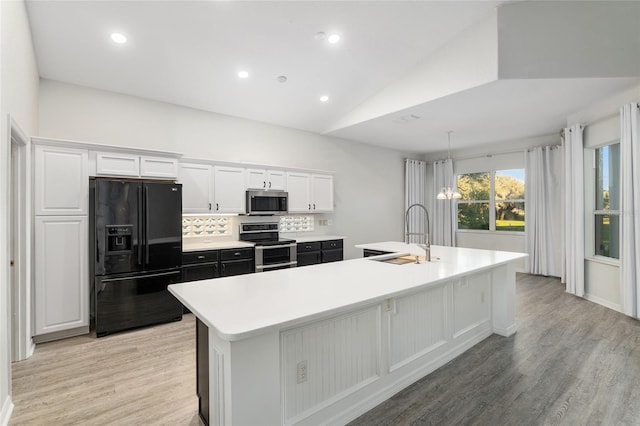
(18, 97)
(369, 181)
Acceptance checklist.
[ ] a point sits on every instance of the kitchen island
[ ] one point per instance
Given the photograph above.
(325, 343)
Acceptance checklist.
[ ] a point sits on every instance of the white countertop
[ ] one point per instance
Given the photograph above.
(311, 238)
(247, 305)
(213, 245)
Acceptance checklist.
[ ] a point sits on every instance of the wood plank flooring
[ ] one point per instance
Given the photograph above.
(571, 362)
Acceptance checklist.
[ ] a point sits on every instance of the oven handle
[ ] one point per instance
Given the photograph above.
(273, 247)
(277, 265)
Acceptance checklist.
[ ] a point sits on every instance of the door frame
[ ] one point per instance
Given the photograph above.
(19, 208)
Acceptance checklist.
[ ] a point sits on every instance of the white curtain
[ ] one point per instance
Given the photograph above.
(573, 273)
(543, 204)
(630, 209)
(415, 193)
(444, 211)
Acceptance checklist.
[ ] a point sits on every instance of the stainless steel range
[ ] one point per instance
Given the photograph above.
(272, 252)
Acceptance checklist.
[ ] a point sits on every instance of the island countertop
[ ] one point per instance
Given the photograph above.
(243, 306)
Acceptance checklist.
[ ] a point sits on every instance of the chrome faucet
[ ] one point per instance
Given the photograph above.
(426, 246)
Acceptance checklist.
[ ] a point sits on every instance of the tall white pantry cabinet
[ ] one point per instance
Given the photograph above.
(61, 225)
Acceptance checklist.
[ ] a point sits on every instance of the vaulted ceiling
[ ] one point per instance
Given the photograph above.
(402, 74)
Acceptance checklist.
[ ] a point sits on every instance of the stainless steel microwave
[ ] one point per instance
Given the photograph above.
(267, 202)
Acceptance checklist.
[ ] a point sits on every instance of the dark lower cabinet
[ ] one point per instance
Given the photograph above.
(332, 251)
(237, 262)
(315, 252)
(200, 265)
(202, 370)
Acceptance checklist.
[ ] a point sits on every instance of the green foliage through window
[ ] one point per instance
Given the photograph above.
(492, 201)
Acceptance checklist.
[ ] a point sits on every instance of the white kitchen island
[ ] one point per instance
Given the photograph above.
(325, 343)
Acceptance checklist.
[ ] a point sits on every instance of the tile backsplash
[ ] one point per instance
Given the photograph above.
(205, 226)
(296, 223)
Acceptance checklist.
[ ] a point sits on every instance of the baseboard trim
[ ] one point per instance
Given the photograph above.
(604, 302)
(7, 409)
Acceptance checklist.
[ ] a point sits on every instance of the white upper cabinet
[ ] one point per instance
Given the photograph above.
(197, 188)
(61, 181)
(116, 164)
(310, 193)
(158, 167)
(61, 275)
(131, 165)
(266, 179)
(228, 189)
(321, 193)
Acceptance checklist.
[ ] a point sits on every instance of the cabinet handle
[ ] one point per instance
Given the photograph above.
(200, 257)
(269, 185)
(314, 206)
(209, 206)
(217, 207)
(224, 267)
(264, 184)
(237, 253)
(309, 206)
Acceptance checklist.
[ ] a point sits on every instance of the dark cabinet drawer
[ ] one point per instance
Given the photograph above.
(307, 247)
(332, 244)
(237, 267)
(201, 271)
(199, 256)
(236, 254)
(309, 258)
(332, 255)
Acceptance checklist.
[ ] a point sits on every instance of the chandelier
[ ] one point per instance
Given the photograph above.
(449, 193)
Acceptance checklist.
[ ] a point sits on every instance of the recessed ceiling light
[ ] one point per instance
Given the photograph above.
(243, 74)
(324, 98)
(118, 38)
(333, 38)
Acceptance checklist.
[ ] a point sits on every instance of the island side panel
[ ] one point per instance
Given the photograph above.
(503, 293)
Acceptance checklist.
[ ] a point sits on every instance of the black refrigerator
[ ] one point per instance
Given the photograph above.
(136, 243)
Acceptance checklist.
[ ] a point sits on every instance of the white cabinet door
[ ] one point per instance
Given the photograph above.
(276, 180)
(116, 164)
(159, 167)
(299, 188)
(197, 188)
(266, 179)
(228, 189)
(322, 193)
(61, 181)
(256, 179)
(61, 276)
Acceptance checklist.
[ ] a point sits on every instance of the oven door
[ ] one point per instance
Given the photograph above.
(269, 258)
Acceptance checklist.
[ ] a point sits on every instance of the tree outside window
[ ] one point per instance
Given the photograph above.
(607, 211)
(492, 201)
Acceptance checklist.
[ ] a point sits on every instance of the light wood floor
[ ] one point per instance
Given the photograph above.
(571, 362)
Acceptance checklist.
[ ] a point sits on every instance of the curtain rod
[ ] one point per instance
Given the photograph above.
(491, 154)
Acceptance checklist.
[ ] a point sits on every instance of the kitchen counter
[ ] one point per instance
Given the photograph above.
(310, 238)
(213, 245)
(325, 343)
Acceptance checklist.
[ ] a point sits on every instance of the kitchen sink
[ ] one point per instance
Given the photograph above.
(399, 260)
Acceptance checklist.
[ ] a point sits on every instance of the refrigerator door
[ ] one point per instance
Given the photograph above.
(162, 225)
(135, 301)
(117, 208)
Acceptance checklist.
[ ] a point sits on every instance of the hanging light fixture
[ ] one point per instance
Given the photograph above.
(448, 193)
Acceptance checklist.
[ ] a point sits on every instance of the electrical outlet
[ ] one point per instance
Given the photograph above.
(302, 373)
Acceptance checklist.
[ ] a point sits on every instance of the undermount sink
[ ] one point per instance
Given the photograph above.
(400, 260)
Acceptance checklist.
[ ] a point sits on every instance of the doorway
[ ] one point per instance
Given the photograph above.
(19, 265)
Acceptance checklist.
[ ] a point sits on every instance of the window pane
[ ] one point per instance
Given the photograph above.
(510, 216)
(608, 177)
(607, 235)
(473, 215)
(474, 186)
(509, 184)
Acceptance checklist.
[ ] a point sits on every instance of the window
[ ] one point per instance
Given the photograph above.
(607, 209)
(492, 201)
